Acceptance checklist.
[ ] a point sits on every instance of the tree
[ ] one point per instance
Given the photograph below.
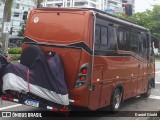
(21, 32)
(149, 19)
(6, 18)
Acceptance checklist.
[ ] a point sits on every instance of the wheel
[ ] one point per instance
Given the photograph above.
(147, 94)
(116, 100)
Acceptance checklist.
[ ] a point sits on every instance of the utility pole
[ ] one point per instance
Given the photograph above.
(6, 25)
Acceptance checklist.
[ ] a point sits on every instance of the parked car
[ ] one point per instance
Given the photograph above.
(15, 42)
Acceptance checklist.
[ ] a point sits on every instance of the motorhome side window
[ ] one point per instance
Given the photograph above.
(104, 38)
(104, 35)
(143, 46)
(101, 35)
(120, 40)
(123, 40)
(134, 42)
(97, 35)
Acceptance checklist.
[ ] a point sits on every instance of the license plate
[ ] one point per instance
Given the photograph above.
(33, 103)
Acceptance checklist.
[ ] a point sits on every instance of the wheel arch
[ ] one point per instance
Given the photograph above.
(119, 86)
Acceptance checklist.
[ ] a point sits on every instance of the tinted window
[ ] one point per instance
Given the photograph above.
(127, 45)
(104, 36)
(123, 40)
(134, 42)
(111, 38)
(120, 40)
(145, 47)
(97, 34)
(141, 47)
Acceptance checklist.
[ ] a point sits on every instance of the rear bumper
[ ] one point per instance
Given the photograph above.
(43, 105)
(79, 96)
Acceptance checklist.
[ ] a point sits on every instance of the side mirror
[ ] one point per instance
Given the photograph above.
(25, 14)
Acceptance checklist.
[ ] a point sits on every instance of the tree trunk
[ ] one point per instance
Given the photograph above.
(6, 18)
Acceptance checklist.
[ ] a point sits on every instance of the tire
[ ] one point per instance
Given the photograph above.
(147, 94)
(116, 100)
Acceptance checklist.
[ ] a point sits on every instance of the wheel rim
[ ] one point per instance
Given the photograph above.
(117, 99)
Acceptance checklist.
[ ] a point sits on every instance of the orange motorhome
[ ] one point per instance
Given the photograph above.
(105, 59)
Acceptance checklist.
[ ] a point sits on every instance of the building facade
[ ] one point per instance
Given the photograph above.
(114, 6)
(18, 8)
(104, 5)
(71, 3)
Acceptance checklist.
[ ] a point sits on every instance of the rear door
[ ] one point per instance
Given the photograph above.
(105, 41)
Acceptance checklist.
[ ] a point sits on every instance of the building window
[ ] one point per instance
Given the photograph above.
(17, 6)
(93, 5)
(79, 3)
(68, 4)
(16, 23)
(49, 5)
(16, 14)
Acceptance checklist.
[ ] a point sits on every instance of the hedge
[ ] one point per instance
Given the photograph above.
(15, 51)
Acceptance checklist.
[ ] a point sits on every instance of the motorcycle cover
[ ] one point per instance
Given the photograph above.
(45, 78)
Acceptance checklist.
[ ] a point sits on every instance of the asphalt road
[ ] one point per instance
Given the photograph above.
(134, 104)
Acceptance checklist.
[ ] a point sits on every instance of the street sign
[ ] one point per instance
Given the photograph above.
(6, 28)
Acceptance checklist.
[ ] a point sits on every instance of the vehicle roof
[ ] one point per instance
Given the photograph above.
(100, 14)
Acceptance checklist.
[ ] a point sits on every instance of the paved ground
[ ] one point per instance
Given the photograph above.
(134, 104)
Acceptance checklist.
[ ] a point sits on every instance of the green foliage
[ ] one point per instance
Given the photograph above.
(157, 57)
(15, 51)
(15, 57)
(149, 19)
(21, 32)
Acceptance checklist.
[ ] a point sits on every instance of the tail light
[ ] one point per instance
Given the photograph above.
(82, 75)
